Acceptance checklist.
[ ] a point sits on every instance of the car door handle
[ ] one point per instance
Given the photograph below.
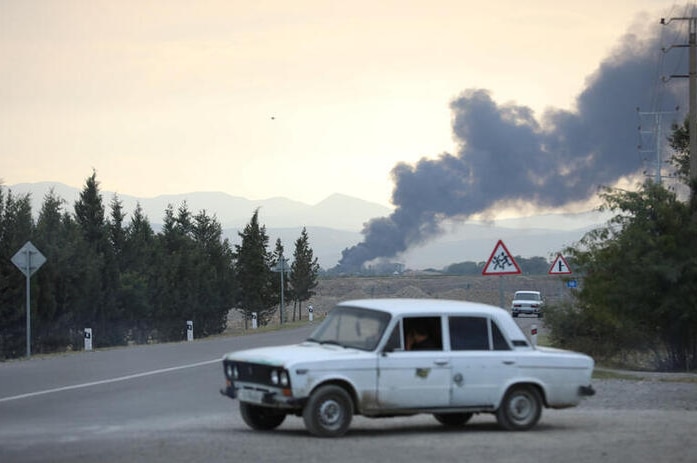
(509, 362)
(440, 363)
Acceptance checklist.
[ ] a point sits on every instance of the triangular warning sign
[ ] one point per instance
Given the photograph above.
(501, 262)
(559, 266)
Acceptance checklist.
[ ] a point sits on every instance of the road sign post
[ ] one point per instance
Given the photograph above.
(501, 262)
(281, 267)
(559, 266)
(28, 260)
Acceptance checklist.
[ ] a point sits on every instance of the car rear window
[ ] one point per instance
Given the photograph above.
(472, 333)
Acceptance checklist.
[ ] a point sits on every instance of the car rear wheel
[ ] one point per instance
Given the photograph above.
(520, 409)
(328, 412)
(261, 418)
(453, 420)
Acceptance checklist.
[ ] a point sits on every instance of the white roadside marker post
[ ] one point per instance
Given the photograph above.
(189, 330)
(88, 339)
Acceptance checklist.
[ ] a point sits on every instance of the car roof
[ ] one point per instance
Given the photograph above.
(399, 306)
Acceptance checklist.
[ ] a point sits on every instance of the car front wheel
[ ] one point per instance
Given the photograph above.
(328, 412)
(261, 418)
(520, 409)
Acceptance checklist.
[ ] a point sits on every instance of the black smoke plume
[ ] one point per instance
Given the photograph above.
(505, 154)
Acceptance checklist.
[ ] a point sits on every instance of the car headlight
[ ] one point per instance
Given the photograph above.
(231, 371)
(279, 378)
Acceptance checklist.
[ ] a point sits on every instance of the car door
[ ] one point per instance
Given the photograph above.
(482, 361)
(413, 379)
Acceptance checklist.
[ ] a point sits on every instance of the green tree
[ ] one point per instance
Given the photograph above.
(89, 214)
(640, 272)
(215, 273)
(98, 307)
(56, 283)
(303, 272)
(176, 283)
(533, 265)
(116, 231)
(679, 140)
(138, 277)
(253, 267)
(465, 268)
(16, 228)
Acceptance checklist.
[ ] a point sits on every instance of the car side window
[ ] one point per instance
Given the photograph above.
(394, 342)
(422, 333)
(500, 342)
(469, 333)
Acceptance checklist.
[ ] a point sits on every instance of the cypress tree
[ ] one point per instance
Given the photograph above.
(253, 267)
(304, 270)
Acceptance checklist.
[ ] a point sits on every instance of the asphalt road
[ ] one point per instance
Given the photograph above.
(161, 404)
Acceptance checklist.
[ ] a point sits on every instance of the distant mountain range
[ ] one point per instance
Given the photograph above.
(335, 224)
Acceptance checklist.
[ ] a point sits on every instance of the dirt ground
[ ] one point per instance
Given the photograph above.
(494, 290)
(486, 289)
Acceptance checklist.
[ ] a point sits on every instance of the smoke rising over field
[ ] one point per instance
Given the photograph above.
(506, 154)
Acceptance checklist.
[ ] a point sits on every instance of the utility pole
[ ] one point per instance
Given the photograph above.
(653, 135)
(692, 76)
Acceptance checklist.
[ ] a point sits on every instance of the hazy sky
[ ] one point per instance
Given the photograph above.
(276, 98)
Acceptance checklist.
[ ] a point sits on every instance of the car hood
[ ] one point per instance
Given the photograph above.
(294, 354)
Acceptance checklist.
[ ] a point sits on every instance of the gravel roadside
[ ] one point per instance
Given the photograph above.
(649, 391)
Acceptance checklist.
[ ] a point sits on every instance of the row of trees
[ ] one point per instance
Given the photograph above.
(129, 283)
(529, 266)
(259, 273)
(639, 273)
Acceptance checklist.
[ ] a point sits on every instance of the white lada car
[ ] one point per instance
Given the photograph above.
(398, 357)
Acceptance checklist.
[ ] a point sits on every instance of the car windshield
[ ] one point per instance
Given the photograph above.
(527, 296)
(352, 327)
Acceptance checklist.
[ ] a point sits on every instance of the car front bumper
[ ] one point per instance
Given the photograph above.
(264, 397)
(526, 310)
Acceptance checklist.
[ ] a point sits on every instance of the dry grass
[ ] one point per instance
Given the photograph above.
(486, 289)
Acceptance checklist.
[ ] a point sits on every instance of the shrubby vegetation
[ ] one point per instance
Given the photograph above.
(639, 292)
(128, 283)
